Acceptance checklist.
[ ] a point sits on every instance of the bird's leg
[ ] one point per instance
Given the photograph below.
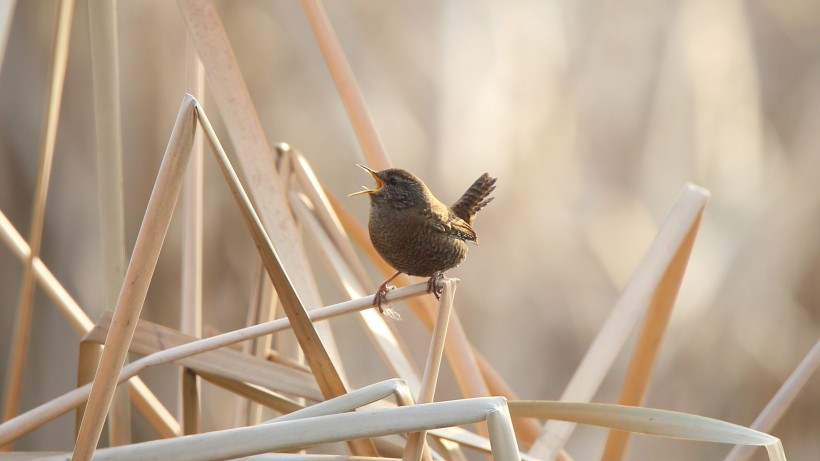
(432, 284)
(381, 293)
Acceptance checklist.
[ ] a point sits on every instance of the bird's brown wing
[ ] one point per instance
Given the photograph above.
(460, 228)
(474, 199)
(446, 222)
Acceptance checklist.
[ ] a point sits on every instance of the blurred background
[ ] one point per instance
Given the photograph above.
(592, 114)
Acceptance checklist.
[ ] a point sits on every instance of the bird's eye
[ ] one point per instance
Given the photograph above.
(392, 180)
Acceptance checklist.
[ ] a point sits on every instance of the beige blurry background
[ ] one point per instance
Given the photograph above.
(593, 115)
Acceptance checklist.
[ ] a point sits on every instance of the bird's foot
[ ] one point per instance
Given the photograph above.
(433, 284)
(381, 296)
(381, 293)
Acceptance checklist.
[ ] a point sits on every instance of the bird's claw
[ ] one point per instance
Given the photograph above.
(381, 297)
(433, 285)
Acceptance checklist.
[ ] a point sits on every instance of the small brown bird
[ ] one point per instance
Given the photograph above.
(414, 232)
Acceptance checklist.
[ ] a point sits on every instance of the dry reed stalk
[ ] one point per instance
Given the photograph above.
(283, 160)
(338, 250)
(192, 241)
(263, 345)
(276, 357)
(146, 402)
(650, 421)
(465, 438)
(190, 402)
(73, 313)
(22, 318)
(138, 278)
(318, 359)
(102, 24)
(372, 395)
(527, 429)
(154, 412)
(390, 446)
(460, 352)
(34, 418)
(40, 455)
(287, 346)
(289, 435)
(312, 187)
(634, 300)
(150, 338)
(89, 356)
(260, 310)
(781, 401)
(327, 376)
(6, 15)
(449, 450)
(254, 157)
(647, 347)
(502, 434)
(258, 394)
(355, 399)
(346, 85)
(242, 409)
(462, 437)
(416, 441)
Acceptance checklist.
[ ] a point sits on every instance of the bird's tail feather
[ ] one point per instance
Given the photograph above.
(475, 198)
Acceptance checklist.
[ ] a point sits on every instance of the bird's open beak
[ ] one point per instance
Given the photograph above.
(379, 182)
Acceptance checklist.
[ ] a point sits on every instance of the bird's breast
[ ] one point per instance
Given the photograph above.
(411, 240)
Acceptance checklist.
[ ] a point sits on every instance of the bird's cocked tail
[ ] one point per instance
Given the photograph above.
(475, 198)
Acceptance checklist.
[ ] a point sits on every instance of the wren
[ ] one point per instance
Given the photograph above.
(414, 232)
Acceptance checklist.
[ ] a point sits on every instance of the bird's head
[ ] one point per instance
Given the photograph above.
(396, 188)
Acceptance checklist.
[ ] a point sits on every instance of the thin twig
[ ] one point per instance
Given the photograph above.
(138, 278)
